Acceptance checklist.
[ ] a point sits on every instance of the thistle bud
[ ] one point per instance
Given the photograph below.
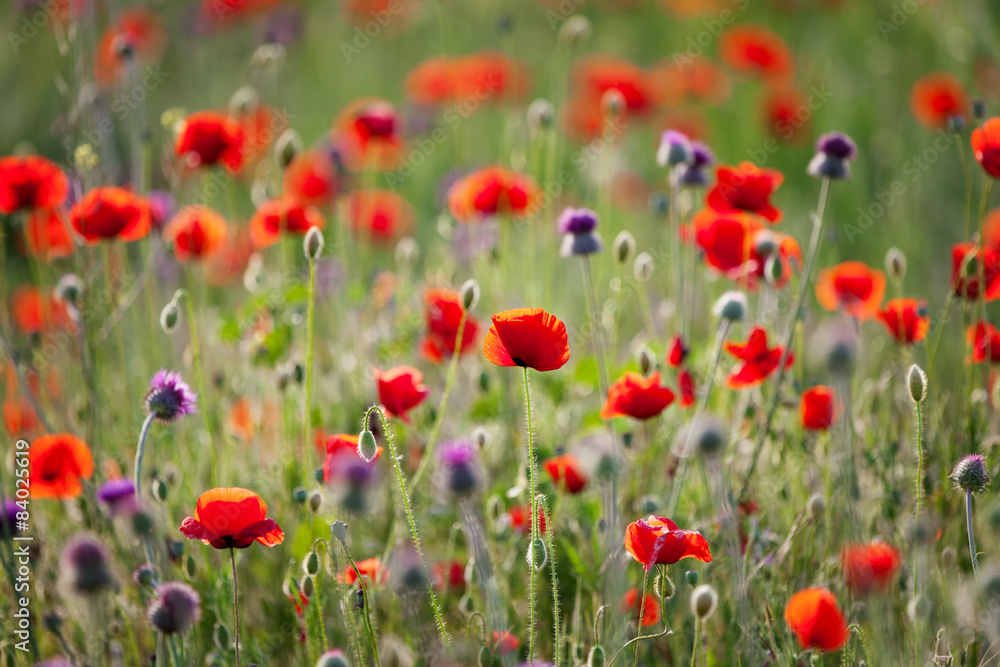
(675, 149)
(537, 554)
(470, 294)
(176, 608)
(287, 147)
(916, 380)
(367, 447)
(86, 565)
(170, 317)
(312, 244)
(339, 531)
(704, 600)
(731, 306)
(895, 264)
(970, 474)
(624, 247)
(311, 564)
(144, 575)
(643, 268)
(596, 657)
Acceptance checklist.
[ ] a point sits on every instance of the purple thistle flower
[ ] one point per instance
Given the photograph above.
(696, 174)
(837, 145)
(835, 150)
(283, 26)
(971, 474)
(85, 565)
(460, 461)
(675, 148)
(119, 496)
(8, 519)
(169, 398)
(579, 226)
(176, 608)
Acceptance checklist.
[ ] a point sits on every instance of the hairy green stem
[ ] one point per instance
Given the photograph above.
(372, 643)
(972, 537)
(310, 320)
(236, 602)
(137, 481)
(642, 615)
(534, 520)
(199, 375)
(556, 620)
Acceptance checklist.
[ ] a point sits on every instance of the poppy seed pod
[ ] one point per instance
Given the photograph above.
(970, 474)
(470, 294)
(916, 380)
(956, 124)
(339, 531)
(367, 447)
(691, 576)
(948, 557)
(299, 494)
(170, 317)
(575, 31)
(540, 115)
(287, 147)
(312, 244)
(895, 264)
(704, 600)
(596, 657)
(731, 306)
(643, 268)
(624, 247)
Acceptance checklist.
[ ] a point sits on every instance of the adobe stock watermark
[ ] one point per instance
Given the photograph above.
(901, 13)
(567, 8)
(29, 27)
(711, 30)
(124, 103)
(364, 34)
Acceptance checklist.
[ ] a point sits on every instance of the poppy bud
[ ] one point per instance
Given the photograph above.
(918, 608)
(308, 587)
(575, 31)
(169, 317)
(663, 586)
(978, 109)
(142, 523)
(704, 599)
(816, 505)
(774, 270)
(948, 557)
(970, 474)
(299, 494)
(69, 288)
(311, 564)
(470, 294)
(407, 252)
(646, 361)
(481, 437)
(312, 244)
(537, 554)
(649, 504)
(895, 264)
(333, 658)
(244, 101)
(643, 268)
(675, 149)
(319, 475)
(467, 603)
(220, 635)
(731, 306)
(287, 147)
(613, 104)
(339, 531)
(190, 567)
(596, 657)
(692, 577)
(176, 548)
(367, 447)
(624, 247)
(267, 59)
(314, 501)
(485, 658)
(916, 380)
(540, 115)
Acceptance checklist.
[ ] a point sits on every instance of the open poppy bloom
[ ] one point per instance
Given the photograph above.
(566, 473)
(527, 337)
(967, 260)
(449, 576)
(342, 444)
(869, 567)
(936, 97)
(30, 181)
(685, 383)
(631, 604)
(46, 234)
(493, 192)
(758, 360)
(986, 146)
(195, 232)
(111, 213)
(443, 313)
(487, 76)
(725, 239)
(520, 519)
(379, 215)
(282, 215)
(400, 389)
(677, 351)
(756, 50)
(597, 74)
(137, 34)
(984, 339)
(232, 518)
(210, 138)
(658, 541)
(786, 114)
(313, 178)
(505, 643)
(367, 132)
(34, 312)
(370, 568)
(816, 408)
(57, 463)
(816, 620)
(430, 81)
(746, 188)
(905, 319)
(851, 286)
(633, 395)
(18, 416)
(698, 79)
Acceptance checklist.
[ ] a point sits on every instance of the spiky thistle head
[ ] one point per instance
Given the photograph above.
(971, 474)
(169, 398)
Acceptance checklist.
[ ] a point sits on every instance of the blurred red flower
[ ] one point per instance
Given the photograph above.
(443, 314)
(816, 408)
(756, 50)
(638, 397)
(984, 341)
(869, 567)
(630, 606)
(905, 319)
(566, 473)
(505, 643)
(400, 389)
(35, 313)
(852, 286)
(46, 234)
(367, 132)
(527, 337)
(490, 192)
(787, 114)
(18, 416)
(138, 35)
(56, 464)
(468, 81)
(685, 384)
(282, 215)
(936, 97)
(758, 360)
(312, 178)
(342, 444)
(370, 568)
(986, 146)
(449, 576)
(658, 541)
(519, 516)
(746, 188)
(195, 232)
(967, 260)
(31, 181)
(210, 138)
(231, 518)
(111, 213)
(816, 620)
(677, 351)
(379, 215)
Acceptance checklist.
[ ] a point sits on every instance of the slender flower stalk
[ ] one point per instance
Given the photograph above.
(439, 619)
(642, 615)
(532, 482)
(971, 475)
(236, 602)
(372, 641)
(665, 632)
(312, 249)
(137, 480)
(553, 573)
(972, 537)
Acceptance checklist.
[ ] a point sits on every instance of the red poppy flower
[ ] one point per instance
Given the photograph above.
(936, 97)
(195, 232)
(46, 234)
(965, 267)
(31, 182)
(986, 146)
(520, 515)
(905, 319)
(367, 133)
(786, 114)
(745, 188)
(677, 351)
(34, 313)
(505, 643)
(111, 213)
(232, 518)
(209, 138)
(380, 215)
(685, 383)
(312, 178)
(756, 50)
(691, 8)
(491, 75)
(370, 568)
(984, 340)
(449, 576)
(638, 397)
(431, 81)
(342, 444)
(851, 286)
(991, 228)
(229, 262)
(277, 215)
(758, 359)
(527, 337)
(816, 408)
(725, 239)
(597, 74)
(699, 79)
(816, 620)
(443, 313)
(56, 464)
(139, 31)
(400, 389)
(658, 541)
(493, 192)
(18, 416)
(566, 473)
(391, 15)
(630, 606)
(869, 567)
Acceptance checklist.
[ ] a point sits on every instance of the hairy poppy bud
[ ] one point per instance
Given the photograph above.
(596, 657)
(956, 124)
(575, 31)
(339, 531)
(190, 567)
(895, 264)
(704, 599)
(540, 115)
(308, 587)
(485, 658)
(481, 437)
(948, 557)
(470, 294)
(311, 564)
(312, 244)
(333, 659)
(916, 380)
(142, 523)
(918, 608)
(314, 501)
(159, 489)
(287, 147)
(537, 554)
(170, 316)
(643, 268)
(816, 505)
(176, 548)
(319, 475)
(220, 635)
(663, 586)
(367, 447)
(624, 247)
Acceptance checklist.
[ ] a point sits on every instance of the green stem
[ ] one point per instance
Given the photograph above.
(175, 652)
(642, 614)
(534, 519)
(372, 643)
(864, 642)
(972, 538)
(694, 642)
(666, 631)
(310, 319)
(137, 481)
(236, 602)
(438, 618)
(557, 621)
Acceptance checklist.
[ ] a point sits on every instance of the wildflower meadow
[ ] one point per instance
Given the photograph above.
(550, 333)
